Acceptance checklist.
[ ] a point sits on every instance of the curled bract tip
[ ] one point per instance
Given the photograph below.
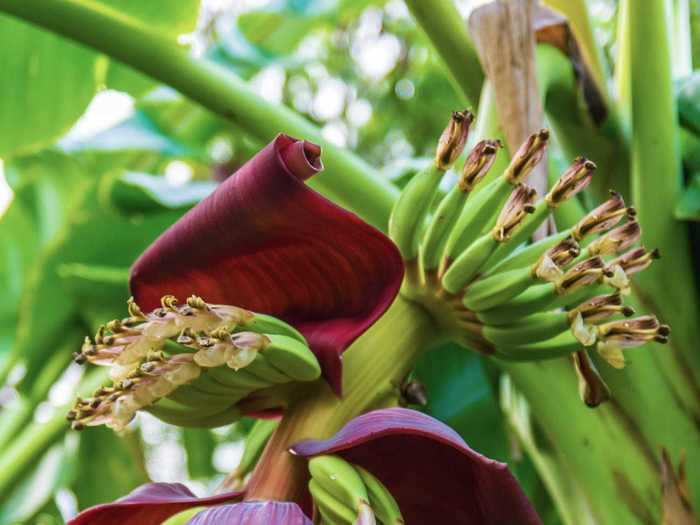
(453, 139)
(267, 242)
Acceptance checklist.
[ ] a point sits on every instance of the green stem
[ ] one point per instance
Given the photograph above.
(373, 369)
(36, 438)
(667, 286)
(447, 31)
(349, 181)
(16, 415)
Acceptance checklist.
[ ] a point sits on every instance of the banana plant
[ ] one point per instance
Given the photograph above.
(269, 300)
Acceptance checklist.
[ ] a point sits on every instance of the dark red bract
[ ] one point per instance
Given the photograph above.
(149, 504)
(267, 242)
(433, 474)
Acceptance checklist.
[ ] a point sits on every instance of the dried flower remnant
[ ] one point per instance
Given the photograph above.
(629, 333)
(453, 139)
(573, 180)
(518, 205)
(478, 163)
(530, 153)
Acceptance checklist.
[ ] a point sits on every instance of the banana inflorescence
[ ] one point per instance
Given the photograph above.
(190, 364)
(347, 494)
(471, 263)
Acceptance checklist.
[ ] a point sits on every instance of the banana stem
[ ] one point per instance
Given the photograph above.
(350, 181)
(36, 438)
(668, 286)
(371, 380)
(447, 31)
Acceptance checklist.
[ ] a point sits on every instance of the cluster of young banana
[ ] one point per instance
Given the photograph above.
(189, 365)
(470, 263)
(347, 494)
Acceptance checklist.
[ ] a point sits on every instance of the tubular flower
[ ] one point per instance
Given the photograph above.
(497, 292)
(358, 477)
(189, 365)
(266, 242)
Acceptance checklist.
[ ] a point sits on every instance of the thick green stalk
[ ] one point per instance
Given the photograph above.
(613, 465)
(667, 287)
(447, 31)
(349, 181)
(16, 415)
(373, 369)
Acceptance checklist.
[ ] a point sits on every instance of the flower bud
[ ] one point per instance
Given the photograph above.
(527, 157)
(574, 179)
(453, 139)
(518, 205)
(478, 163)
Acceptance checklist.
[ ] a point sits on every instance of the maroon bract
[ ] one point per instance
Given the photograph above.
(431, 472)
(149, 504)
(252, 513)
(267, 242)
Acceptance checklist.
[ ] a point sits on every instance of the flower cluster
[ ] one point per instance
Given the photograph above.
(153, 355)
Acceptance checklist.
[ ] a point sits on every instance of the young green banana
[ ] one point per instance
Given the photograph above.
(380, 499)
(332, 510)
(292, 358)
(557, 346)
(477, 165)
(340, 480)
(485, 204)
(531, 329)
(410, 210)
(467, 265)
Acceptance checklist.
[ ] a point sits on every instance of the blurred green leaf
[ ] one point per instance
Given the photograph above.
(135, 134)
(459, 394)
(199, 445)
(47, 303)
(53, 79)
(688, 95)
(52, 82)
(141, 192)
(108, 466)
(17, 248)
(688, 207)
(50, 184)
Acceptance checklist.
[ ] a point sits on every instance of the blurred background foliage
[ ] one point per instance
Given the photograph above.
(99, 159)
